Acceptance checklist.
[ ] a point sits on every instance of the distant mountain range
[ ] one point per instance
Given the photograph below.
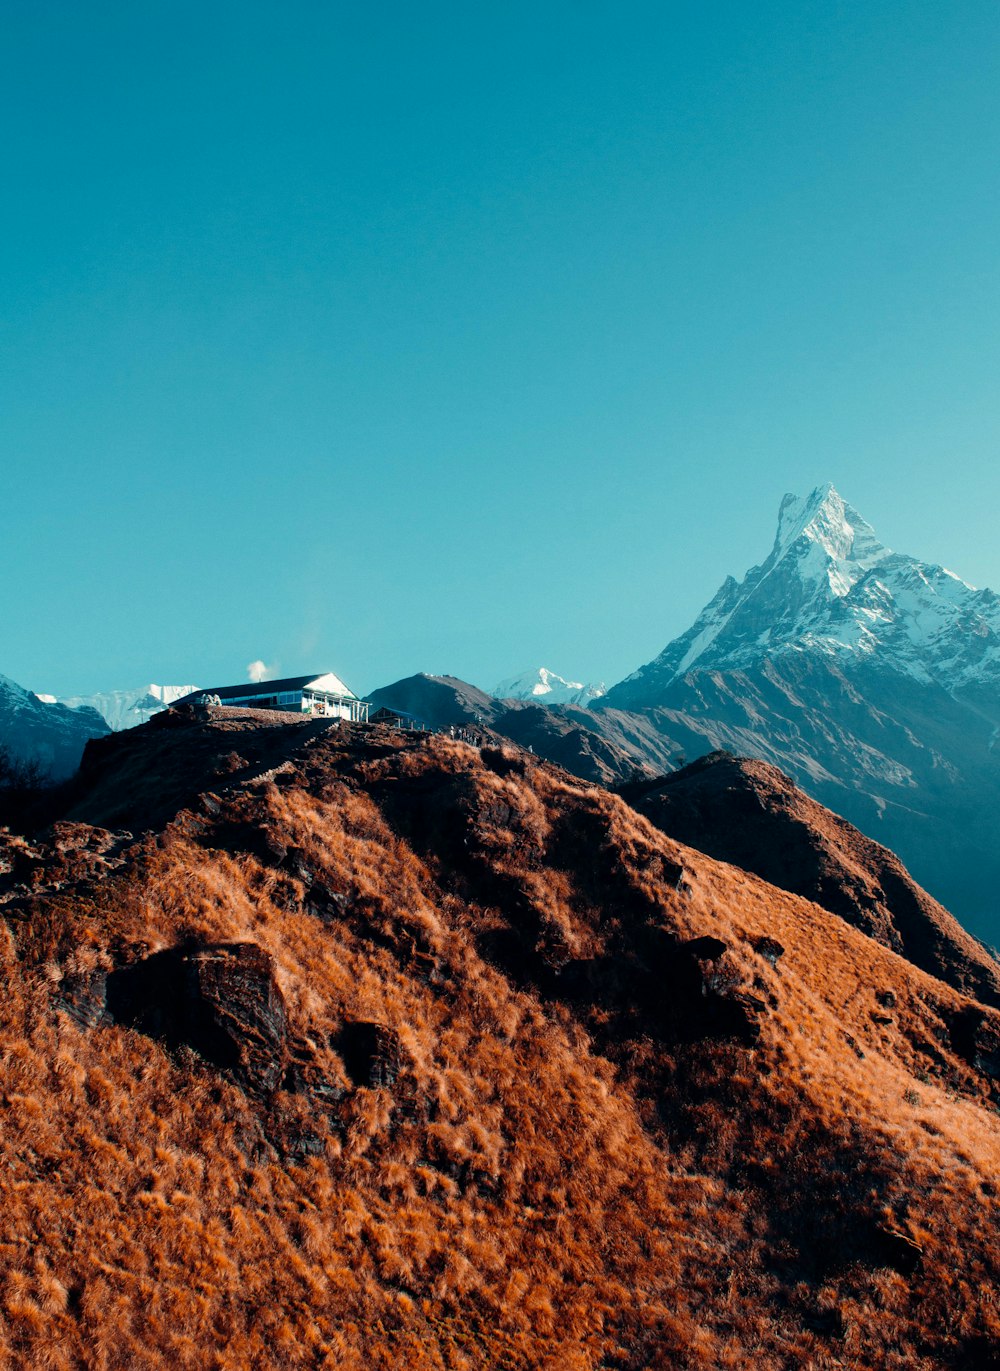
(51, 733)
(126, 708)
(545, 687)
(572, 737)
(50, 736)
(869, 677)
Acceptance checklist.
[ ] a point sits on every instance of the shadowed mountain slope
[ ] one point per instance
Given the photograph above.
(48, 736)
(870, 677)
(749, 814)
(605, 748)
(379, 1051)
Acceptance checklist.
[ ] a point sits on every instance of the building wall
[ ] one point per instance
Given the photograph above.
(304, 702)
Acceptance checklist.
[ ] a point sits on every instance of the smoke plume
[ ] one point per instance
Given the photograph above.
(259, 671)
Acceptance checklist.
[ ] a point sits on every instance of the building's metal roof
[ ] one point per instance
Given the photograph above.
(325, 682)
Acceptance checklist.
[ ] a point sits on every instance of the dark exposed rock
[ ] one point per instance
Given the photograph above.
(975, 1036)
(296, 1129)
(231, 835)
(503, 762)
(707, 948)
(828, 1322)
(886, 998)
(371, 1054)
(220, 1000)
(300, 1145)
(296, 863)
(977, 1353)
(83, 996)
(676, 994)
(896, 1248)
(325, 904)
(769, 948)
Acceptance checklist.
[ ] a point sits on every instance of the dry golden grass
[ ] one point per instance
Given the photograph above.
(555, 1179)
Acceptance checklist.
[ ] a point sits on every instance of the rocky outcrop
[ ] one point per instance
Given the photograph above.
(371, 1054)
(221, 1001)
(65, 856)
(975, 1035)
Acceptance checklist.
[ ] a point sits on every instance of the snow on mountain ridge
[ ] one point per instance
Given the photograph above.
(127, 708)
(47, 735)
(830, 586)
(546, 687)
(14, 696)
(832, 525)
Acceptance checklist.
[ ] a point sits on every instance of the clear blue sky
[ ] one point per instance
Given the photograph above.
(463, 338)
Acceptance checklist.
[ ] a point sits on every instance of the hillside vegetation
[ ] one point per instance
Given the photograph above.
(326, 1047)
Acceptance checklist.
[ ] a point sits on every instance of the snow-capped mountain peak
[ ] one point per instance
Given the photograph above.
(127, 708)
(830, 586)
(544, 687)
(843, 544)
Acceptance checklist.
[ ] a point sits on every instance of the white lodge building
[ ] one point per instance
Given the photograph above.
(325, 696)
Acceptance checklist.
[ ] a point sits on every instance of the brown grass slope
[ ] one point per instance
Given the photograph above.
(394, 1053)
(750, 814)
